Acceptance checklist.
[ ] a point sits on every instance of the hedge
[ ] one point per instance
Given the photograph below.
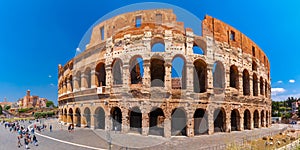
(43, 114)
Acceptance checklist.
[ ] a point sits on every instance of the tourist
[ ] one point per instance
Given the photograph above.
(19, 142)
(26, 141)
(34, 140)
(50, 127)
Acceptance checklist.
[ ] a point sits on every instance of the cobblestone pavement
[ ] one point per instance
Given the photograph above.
(97, 139)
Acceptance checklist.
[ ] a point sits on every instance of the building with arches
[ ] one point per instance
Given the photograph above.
(125, 80)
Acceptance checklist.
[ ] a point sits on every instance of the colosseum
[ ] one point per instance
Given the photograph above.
(125, 80)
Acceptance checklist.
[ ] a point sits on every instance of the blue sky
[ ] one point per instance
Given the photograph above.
(36, 36)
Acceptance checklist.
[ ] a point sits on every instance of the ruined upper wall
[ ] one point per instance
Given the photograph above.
(221, 32)
(128, 21)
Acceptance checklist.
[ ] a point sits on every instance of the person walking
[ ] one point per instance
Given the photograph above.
(34, 140)
(19, 142)
(26, 141)
(50, 127)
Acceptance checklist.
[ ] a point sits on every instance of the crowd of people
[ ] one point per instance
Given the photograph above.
(23, 132)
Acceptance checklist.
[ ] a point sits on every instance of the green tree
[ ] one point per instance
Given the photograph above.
(49, 103)
(0, 109)
(298, 113)
(6, 107)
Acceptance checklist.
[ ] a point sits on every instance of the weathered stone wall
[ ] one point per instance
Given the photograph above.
(124, 42)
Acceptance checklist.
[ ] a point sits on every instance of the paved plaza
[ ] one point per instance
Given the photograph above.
(82, 139)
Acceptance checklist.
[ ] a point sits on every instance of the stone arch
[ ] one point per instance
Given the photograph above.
(178, 72)
(135, 119)
(267, 118)
(266, 88)
(78, 117)
(87, 116)
(157, 70)
(99, 118)
(234, 77)
(262, 118)
(70, 114)
(246, 84)
(199, 46)
(255, 84)
(116, 116)
(156, 121)
(70, 78)
(178, 122)
(256, 119)
(219, 120)
(247, 120)
(261, 86)
(136, 69)
(65, 115)
(200, 122)
(157, 45)
(200, 76)
(100, 74)
(88, 77)
(117, 71)
(218, 75)
(235, 120)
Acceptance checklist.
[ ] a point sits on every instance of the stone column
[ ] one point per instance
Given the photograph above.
(190, 126)
(75, 83)
(147, 75)
(251, 121)
(145, 124)
(75, 119)
(251, 83)
(126, 77)
(94, 80)
(242, 122)
(83, 121)
(210, 78)
(228, 122)
(167, 127)
(108, 122)
(168, 77)
(108, 79)
(69, 86)
(64, 87)
(189, 77)
(258, 86)
(92, 119)
(125, 121)
(241, 85)
(210, 120)
(83, 82)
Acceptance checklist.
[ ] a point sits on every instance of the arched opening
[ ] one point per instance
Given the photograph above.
(200, 76)
(116, 116)
(117, 72)
(157, 69)
(87, 115)
(71, 83)
(218, 75)
(200, 122)
(235, 120)
(247, 120)
(254, 66)
(246, 85)
(157, 45)
(262, 118)
(178, 73)
(101, 75)
(78, 117)
(65, 116)
(71, 116)
(234, 77)
(78, 80)
(256, 119)
(178, 123)
(88, 77)
(261, 86)
(267, 119)
(156, 122)
(99, 118)
(136, 70)
(197, 50)
(219, 120)
(255, 85)
(135, 119)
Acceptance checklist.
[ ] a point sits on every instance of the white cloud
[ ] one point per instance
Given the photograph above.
(78, 49)
(49, 76)
(284, 97)
(276, 91)
(292, 81)
(279, 81)
(52, 85)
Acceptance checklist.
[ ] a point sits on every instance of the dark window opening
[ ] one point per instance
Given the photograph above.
(138, 21)
(232, 36)
(102, 33)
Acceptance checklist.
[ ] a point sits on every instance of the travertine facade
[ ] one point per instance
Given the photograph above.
(224, 88)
